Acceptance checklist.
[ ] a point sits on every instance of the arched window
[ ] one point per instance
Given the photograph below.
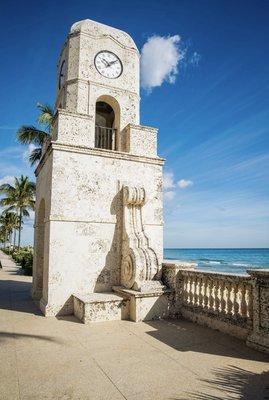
(105, 131)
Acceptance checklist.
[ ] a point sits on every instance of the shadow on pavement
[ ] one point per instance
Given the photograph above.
(186, 336)
(234, 383)
(9, 335)
(16, 296)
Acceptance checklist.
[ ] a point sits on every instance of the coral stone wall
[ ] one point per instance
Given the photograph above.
(86, 218)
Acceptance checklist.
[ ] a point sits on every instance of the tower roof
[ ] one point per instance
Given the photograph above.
(97, 29)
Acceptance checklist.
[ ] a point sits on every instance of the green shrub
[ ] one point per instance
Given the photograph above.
(6, 250)
(24, 258)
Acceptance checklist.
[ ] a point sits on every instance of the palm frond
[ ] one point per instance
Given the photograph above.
(46, 115)
(27, 134)
(6, 188)
(8, 202)
(35, 155)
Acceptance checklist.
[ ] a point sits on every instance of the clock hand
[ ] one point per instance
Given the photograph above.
(112, 62)
(105, 62)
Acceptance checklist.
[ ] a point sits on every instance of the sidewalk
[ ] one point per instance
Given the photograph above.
(62, 359)
(6, 261)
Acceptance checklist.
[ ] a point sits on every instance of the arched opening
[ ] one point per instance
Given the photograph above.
(105, 126)
(40, 239)
(105, 115)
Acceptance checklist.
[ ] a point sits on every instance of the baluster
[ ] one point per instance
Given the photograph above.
(235, 300)
(191, 291)
(113, 139)
(106, 138)
(210, 293)
(196, 286)
(206, 298)
(222, 297)
(186, 278)
(243, 303)
(216, 296)
(250, 301)
(102, 138)
(201, 292)
(185, 289)
(229, 303)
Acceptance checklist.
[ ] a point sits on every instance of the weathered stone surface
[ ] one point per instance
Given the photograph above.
(79, 218)
(145, 306)
(98, 307)
(259, 337)
(140, 265)
(234, 304)
(139, 140)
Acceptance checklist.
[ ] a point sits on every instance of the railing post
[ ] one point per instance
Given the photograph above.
(174, 278)
(259, 336)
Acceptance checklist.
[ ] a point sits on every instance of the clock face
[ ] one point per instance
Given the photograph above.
(108, 64)
(62, 74)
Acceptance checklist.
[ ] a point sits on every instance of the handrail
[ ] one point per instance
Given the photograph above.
(105, 138)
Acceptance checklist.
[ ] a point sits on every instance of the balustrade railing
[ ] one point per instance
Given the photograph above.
(225, 296)
(231, 303)
(105, 138)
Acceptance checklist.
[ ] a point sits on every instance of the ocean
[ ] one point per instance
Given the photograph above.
(236, 261)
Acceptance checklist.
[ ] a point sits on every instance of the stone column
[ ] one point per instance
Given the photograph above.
(259, 336)
(172, 278)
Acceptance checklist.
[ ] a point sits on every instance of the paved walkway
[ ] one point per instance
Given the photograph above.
(62, 359)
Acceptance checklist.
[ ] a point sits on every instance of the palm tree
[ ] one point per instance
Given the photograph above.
(19, 198)
(15, 223)
(9, 222)
(3, 230)
(2, 236)
(29, 134)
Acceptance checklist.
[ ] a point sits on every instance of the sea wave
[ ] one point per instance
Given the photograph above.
(213, 262)
(239, 264)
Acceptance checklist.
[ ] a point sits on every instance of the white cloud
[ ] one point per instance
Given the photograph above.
(169, 195)
(183, 183)
(160, 56)
(168, 180)
(7, 179)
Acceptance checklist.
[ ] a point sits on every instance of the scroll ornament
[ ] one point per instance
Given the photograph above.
(140, 267)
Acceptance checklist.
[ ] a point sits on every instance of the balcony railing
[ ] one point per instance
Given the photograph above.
(218, 300)
(225, 296)
(105, 138)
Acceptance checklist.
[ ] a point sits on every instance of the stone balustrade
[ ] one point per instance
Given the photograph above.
(232, 303)
(223, 297)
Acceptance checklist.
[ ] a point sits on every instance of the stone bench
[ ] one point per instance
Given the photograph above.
(97, 307)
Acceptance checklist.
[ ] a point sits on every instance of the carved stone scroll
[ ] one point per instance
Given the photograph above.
(140, 265)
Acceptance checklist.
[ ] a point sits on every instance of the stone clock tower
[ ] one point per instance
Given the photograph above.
(99, 226)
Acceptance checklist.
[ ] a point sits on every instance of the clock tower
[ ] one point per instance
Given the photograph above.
(99, 223)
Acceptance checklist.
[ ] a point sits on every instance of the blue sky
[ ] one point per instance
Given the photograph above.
(211, 109)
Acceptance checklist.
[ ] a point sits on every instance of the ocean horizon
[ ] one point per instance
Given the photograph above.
(227, 260)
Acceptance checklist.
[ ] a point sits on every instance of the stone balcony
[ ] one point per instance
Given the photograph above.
(60, 358)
